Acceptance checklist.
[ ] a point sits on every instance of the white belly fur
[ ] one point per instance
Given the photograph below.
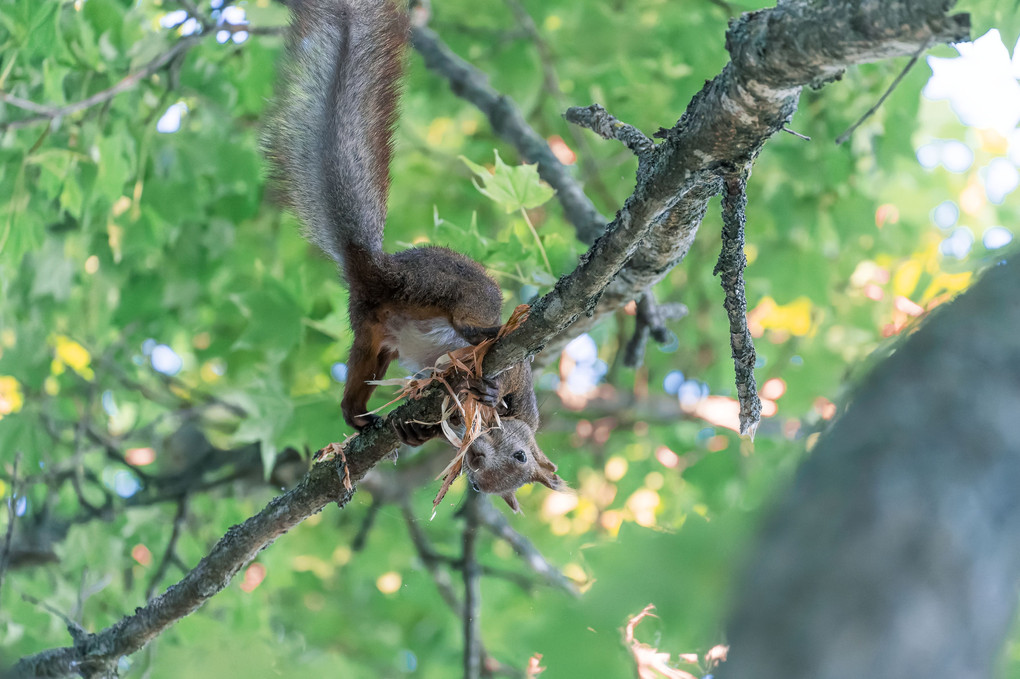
(419, 344)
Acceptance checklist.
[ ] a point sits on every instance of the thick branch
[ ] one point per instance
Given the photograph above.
(775, 53)
(897, 551)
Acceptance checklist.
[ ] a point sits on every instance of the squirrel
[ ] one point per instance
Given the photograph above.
(330, 140)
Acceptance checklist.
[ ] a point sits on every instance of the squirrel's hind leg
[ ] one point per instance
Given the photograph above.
(368, 361)
(475, 334)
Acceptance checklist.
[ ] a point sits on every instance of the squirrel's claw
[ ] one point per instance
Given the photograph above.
(485, 390)
(363, 422)
(415, 434)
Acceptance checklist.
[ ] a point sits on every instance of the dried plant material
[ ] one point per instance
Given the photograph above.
(464, 417)
(476, 417)
(651, 663)
(716, 654)
(332, 451)
(534, 668)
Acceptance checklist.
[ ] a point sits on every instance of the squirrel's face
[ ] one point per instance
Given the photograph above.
(502, 460)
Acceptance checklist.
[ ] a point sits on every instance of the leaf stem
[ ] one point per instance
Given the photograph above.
(541, 248)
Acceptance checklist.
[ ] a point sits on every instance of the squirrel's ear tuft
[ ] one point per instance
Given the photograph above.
(511, 500)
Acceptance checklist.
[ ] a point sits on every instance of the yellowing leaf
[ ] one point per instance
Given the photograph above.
(794, 317)
(71, 354)
(947, 282)
(906, 278)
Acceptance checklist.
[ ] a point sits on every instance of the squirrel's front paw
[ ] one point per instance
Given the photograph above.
(485, 390)
(415, 434)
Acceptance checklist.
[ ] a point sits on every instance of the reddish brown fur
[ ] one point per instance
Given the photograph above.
(330, 143)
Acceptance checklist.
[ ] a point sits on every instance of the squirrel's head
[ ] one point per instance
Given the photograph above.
(502, 460)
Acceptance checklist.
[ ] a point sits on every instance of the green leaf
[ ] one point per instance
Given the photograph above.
(268, 412)
(114, 165)
(512, 188)
(274, 320)
(54, 272)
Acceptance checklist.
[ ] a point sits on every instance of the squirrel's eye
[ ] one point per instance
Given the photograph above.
(521, 456)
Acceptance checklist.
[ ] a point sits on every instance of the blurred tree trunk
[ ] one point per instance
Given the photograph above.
(896, 552)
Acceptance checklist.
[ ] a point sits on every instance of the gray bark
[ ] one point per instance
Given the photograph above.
(896, 553)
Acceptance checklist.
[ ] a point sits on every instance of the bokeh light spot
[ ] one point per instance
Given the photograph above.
(141, 554)
(996, 237)
(616, 468)
(165, 360)
(253, 577)
(389, 582)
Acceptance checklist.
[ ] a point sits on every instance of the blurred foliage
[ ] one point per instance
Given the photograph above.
(148, 285)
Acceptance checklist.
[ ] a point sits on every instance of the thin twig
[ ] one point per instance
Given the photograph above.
(432, 562)
(599, 121)
(730, 269)
(551, 84)
(79, 453)
(11, 515)
(885, 95)
(506, 119)
(358, 543)
(171, 548)
(496, 523)
(726, 6)
(650, 321)
(77, 632)
(49, 113)
(472, 587)
(796, 134)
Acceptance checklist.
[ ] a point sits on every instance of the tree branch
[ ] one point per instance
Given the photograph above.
(92, 656)
(171, 547)
(506, 119)
(472, 587)
(730, 269)
(650, 321)
(896, 552)
(551, 84)
(50, 113)
(598, 120)
(494, 520)
(775, 53)
(12, 510)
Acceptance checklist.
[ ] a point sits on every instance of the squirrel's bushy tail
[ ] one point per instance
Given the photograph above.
(330, 134)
